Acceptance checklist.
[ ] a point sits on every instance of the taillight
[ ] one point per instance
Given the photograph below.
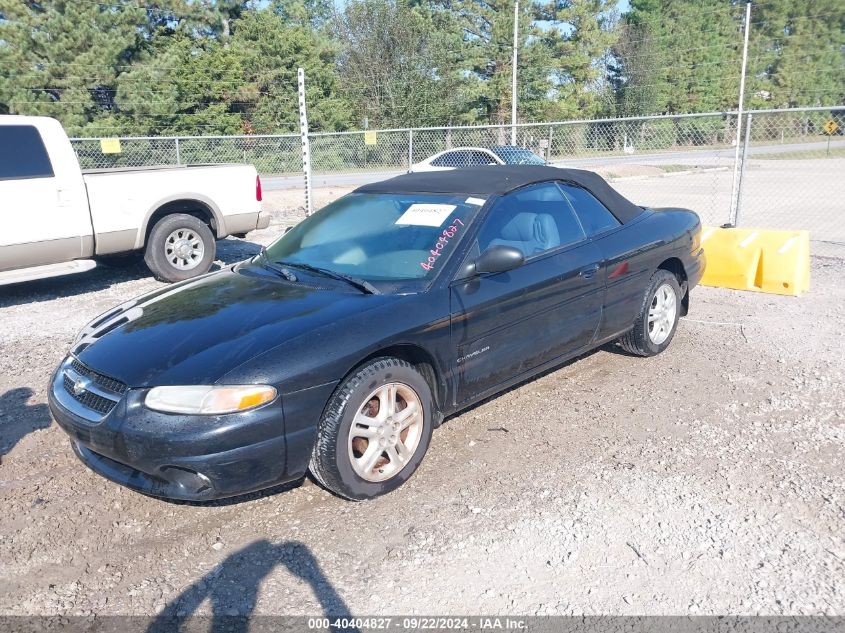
(258, 188)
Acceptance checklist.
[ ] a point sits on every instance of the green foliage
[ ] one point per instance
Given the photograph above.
(245, 84)
(678, 57)
(798, 53)
(399, 65)
(579, 37)
(61, 58)
(202, 67)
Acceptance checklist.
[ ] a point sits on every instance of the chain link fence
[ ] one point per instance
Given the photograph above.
(789, 172)
(793, 175)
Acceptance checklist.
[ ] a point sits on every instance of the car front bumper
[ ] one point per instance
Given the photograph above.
(187, 457)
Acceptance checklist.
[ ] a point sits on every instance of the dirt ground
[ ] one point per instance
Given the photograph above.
(707, 480)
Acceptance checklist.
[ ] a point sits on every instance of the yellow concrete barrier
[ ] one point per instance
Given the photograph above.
(757, 259)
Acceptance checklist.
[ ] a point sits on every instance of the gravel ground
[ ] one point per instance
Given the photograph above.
(707, 480)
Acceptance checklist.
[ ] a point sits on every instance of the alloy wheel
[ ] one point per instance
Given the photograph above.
(661, 314)
(385, 432)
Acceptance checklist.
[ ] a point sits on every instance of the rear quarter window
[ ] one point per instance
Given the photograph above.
(594, 216)
(459, 158)
(22, 153)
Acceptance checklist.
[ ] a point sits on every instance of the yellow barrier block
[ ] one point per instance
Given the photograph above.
(757, 259)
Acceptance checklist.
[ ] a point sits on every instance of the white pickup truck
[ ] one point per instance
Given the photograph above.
(57, 219)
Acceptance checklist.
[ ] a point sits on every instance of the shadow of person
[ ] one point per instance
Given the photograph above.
(232, 588)
(18, 417)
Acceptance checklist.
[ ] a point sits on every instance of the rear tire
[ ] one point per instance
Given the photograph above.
(375, 430)
(657, 321)
(180, 246)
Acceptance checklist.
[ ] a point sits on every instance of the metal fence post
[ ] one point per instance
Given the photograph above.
(747, 29)
(549, 151)
(178, 155)
(410, 149)
(742, 169)
(306, 145)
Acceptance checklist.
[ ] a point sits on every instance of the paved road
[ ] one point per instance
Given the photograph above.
(272, 183)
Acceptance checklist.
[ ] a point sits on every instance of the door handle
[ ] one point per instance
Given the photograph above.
(587, 272)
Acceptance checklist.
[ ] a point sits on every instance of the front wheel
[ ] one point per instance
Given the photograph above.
(375, 430)
(180, 246)
(658, 318)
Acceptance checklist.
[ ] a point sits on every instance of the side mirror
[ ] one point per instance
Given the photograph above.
(499, 259)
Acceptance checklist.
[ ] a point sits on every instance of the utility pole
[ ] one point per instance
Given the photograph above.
(513, 72)
(734, 186)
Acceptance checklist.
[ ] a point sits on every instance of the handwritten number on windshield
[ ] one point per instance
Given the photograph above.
(448, 233)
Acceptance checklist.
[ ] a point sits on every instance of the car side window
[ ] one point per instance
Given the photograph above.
(594, 216)
(534, 219)
(481, 158)
(22, 153)
(452, 159)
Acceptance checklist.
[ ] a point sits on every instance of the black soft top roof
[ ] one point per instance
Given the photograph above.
(499, 179)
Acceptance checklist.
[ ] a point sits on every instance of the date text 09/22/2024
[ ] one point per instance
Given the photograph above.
(417, 623)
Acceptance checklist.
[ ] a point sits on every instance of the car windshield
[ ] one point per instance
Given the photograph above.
(393, 241)
(513, 155)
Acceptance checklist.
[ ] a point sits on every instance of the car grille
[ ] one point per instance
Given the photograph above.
(102, 393)
(109, 384)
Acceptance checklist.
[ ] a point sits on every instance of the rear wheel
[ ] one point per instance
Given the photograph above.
(655, 326)
(180, 246)
(375, 430)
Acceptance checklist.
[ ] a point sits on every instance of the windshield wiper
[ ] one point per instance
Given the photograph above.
(361, 284)
(284, 272)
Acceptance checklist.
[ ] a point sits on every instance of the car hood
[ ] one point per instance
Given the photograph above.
(198, 331)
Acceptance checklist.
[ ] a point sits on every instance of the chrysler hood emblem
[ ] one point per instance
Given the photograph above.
(80, 386)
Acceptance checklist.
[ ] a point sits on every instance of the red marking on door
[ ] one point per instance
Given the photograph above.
(621, 269)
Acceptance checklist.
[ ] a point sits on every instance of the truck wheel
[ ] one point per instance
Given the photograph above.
(180, 247)
(375, 430)
(658, 319)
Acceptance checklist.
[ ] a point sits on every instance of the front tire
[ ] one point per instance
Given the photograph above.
(657, 321)
(375, 430)
(180, 246)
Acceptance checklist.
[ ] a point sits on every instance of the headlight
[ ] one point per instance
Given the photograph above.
(208, 400)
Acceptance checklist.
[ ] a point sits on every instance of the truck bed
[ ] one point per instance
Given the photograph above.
(156, 168)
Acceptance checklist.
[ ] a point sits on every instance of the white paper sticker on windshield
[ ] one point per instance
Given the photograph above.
(477, 201)
(426, 214)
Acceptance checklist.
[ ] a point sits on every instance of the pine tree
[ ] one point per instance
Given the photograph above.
(398, 64)
(61, 58)
(580, 35)
(243, 82)
(678, 57)
(797, 53)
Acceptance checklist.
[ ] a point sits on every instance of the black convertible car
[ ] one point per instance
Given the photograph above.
(342, 346)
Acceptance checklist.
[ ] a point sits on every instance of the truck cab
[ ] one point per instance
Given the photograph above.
(45, 212)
